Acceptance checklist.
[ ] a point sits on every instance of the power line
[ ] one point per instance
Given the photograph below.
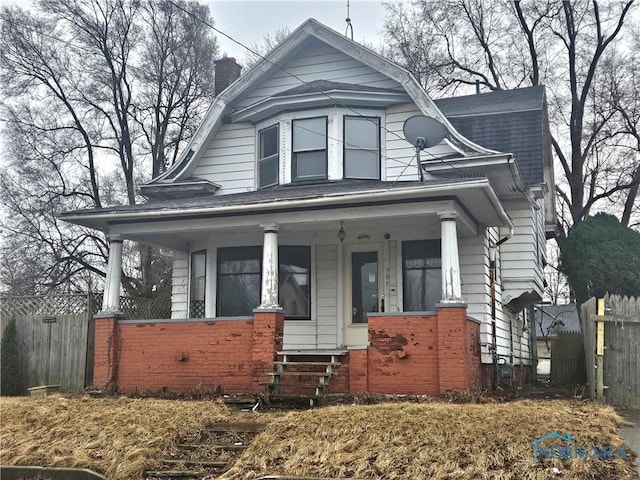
(311, 86)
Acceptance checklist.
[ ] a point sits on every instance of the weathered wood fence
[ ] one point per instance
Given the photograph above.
(55, 334)
(567, 359)
(612, 342)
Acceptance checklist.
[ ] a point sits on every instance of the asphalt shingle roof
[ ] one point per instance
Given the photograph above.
(510, 121)
(565, 317)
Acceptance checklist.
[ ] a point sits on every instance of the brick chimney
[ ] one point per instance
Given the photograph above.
(227, 71)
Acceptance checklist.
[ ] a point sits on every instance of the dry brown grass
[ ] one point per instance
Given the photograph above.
(118, 437)
(432, 440)
(122, 437)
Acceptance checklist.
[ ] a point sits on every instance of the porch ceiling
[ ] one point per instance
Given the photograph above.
(370, 206)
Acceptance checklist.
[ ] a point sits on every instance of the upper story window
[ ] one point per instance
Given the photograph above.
(309, 155)
(268, 156)
(361, 147)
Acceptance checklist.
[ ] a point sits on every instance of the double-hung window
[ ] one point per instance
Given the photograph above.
(309, 156)
(421, 275)
(198, 284)
(268, 156)
(361, 147)
(294, 280)
(239, 281)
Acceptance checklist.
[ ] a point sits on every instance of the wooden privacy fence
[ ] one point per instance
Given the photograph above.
(55, 334)
(567, 359)
(611, 330)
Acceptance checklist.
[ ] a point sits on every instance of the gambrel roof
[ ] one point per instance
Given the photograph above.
(275, 62)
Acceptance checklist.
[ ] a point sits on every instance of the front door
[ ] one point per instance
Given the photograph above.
(363, 288)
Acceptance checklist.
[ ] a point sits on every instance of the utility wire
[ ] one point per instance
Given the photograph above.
(312, 87)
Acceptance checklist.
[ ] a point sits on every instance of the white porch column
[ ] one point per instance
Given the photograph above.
(451, 284)
(269, 298)
(111, 297)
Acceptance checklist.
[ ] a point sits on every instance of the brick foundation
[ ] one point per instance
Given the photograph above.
(229, 355)
(424, 354)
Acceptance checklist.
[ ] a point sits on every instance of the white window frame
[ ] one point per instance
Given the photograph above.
(335, 135)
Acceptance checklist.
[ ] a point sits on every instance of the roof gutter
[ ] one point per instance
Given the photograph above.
(103, 219)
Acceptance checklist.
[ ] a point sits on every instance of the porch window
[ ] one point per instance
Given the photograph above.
(268, 156)
(362, 147)
(240, 281)
(198, 284)
(294, 280)
(309, 160)
(239, 271)
(421, 275)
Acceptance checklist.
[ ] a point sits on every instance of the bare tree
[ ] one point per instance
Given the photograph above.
(99, 94)
(268, 43)
(584, 52)
(567, 46)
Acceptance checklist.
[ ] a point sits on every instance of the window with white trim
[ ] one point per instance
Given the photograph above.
(239, 280)
(198, 284)
(268, 156)
(309, 152)
(421, 275)
(361, 147)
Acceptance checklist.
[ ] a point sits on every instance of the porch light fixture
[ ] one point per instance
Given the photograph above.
(341, 233)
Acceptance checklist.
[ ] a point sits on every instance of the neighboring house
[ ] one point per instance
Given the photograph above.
(299, 225)
(550, 320)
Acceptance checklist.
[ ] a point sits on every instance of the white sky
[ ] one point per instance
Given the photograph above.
(248, 21)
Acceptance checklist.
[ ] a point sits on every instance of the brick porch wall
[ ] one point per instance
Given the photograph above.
(419, 354)
(149, 356)
(408, 354)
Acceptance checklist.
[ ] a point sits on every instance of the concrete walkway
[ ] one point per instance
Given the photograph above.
(631, 434)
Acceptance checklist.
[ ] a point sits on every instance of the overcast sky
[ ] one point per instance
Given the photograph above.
(248, 21)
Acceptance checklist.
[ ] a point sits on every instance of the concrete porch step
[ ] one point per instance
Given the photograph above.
(307, 364)
(300, 374)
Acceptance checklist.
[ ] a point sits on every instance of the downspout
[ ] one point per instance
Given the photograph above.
(492, 278)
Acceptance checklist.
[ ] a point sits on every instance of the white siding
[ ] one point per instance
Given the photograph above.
(180, 286)
(523, 254)
(392, 305)
(399, 164)
(327, 295)
(230, 159)
(321, 331)
(319, 61)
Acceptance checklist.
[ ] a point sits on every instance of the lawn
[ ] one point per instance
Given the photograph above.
(122, 437)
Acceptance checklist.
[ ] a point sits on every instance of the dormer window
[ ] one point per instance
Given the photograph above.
(319, 145)
(309, 159)
(362, 147)
(268, 156)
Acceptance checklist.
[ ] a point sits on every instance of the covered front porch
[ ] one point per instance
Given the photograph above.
(374, 274)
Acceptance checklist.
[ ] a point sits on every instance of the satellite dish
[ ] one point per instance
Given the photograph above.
(423, 132)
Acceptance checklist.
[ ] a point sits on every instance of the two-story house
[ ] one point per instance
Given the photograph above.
(303, 231)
